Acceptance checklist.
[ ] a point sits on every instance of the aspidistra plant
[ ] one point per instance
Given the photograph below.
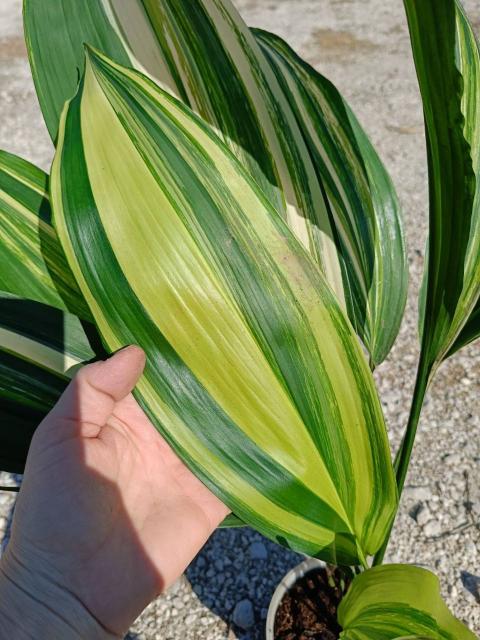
(227, 212)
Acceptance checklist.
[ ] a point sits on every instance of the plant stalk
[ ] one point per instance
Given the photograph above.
(404, 454)
(402, 459)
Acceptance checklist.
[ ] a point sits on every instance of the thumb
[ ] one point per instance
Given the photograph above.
(92, 394)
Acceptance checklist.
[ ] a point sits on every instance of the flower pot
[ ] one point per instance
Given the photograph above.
(287, 583)
(291, 578)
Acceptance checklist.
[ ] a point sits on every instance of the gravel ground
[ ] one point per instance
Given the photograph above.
(362, 45)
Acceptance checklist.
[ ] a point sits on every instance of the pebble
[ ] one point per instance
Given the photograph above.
(472, 584)
(453, 458)
(420, 494)
(190, 619)
(243, 615)
(424, 516)
(432, 529)
(258, 551)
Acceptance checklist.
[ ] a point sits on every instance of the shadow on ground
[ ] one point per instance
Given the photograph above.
(240, 566)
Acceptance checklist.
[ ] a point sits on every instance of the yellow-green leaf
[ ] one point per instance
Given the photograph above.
(253, 374)
(285, 123)
(32, 264)
(398, 602)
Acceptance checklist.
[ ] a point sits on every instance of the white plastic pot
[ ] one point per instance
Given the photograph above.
(287, 583)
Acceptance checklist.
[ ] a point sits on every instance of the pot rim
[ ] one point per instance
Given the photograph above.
(285, 584)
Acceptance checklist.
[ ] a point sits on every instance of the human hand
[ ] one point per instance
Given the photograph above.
(107, 515)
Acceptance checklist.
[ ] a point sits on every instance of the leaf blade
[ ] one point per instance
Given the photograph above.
(393, 601)
(364, 206)
(32, 264)
(206, 55)
(236, 250)
(449, 79)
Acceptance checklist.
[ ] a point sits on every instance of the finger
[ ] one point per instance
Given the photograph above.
(93, 393)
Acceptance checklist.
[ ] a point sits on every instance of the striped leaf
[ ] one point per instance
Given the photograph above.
(448, 67)
(32, 264)
(253, 373)
(287, 125)
(204, 46)
(398, 602)
(360, 195)
(40, 347)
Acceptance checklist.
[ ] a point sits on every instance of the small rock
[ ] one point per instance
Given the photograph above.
(178, 603)
(470, 548)
(243, 615)
(258, 551)
(453, 459)
(423, 515)
(432, 529)
(471, 583)
(420, 494)
(190, 619)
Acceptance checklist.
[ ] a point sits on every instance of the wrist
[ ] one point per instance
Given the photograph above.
(33, 605)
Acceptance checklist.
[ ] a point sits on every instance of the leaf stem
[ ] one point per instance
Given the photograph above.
(402, 459)
(404, 454)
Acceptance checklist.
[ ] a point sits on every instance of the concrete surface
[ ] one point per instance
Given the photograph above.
(363, 46)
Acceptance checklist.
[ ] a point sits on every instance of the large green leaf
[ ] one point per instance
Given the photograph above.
(360, 195)
(290, 138)
(448, 67)
(395, 602)
(40, 347)
(32, 264)
(253, 373)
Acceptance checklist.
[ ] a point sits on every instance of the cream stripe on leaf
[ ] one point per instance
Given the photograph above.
(32, 264)
(395, 602)
(364, 207)
(253, 373)
(298, 138)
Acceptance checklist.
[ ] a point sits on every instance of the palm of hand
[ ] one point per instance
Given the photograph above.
(105, 504)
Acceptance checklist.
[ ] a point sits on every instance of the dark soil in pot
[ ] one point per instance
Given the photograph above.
(309, 609)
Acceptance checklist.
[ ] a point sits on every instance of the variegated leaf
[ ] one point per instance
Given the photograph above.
(32, 264)
(361, 197)
(398, 602)
(448, 67)
(202, 52)
(253, 373)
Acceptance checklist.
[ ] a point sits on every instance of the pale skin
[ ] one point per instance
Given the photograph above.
(107, 516)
